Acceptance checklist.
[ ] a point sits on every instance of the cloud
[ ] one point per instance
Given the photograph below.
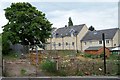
(94, 14)
(106, 18)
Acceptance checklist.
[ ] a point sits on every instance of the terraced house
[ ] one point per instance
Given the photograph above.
(67, 38)
(93, 39)
(78, 37)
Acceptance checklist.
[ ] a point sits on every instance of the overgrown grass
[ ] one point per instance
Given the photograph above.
(91, 66)
(114, 57)
(48, 66)
(11, 55)
(62, 52)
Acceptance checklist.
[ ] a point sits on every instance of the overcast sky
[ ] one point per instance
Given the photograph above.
(101, 15)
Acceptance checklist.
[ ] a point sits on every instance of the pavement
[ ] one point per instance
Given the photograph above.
(67, 78)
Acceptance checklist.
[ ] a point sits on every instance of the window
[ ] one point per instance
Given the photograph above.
(107, 41)
(59, 44)
(114, 44)
(54, 44)
(73, 43)
(100, 42)
(66, 43)
(90, 42)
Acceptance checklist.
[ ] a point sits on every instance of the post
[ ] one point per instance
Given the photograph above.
(36, 59)
(103, 37)
(56, 64)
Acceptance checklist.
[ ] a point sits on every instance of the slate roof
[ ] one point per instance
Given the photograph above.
(66, 31)
(97, 35)
(94, 48)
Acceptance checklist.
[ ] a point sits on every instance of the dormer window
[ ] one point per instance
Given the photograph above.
(54, 34)
(72, 32)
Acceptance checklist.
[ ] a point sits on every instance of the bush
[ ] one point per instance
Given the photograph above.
(88, 55)
(102, 55)
(49, 66)
(23, 71)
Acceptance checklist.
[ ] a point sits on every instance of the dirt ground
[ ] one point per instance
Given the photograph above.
(14, 68)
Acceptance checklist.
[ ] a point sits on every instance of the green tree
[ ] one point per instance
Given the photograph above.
(91, 28)
(70, 23)
(26, 25)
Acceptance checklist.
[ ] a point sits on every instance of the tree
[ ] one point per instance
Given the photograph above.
(26, 25)
(70, 23)
(5, 43)
(91, 28)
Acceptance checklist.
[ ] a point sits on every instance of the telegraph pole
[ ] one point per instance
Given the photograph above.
(103, 37)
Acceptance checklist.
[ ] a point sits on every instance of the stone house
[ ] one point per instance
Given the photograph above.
(94, 38)
(67, 38)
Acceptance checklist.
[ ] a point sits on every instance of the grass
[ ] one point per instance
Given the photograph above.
(11, 56)
(114, 56)
(62, 52)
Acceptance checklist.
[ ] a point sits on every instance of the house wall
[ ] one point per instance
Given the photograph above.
(80, 36)
(116, 39)
(90, 43)
(66, 43)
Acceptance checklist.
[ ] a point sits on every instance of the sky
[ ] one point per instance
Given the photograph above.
(100, 14)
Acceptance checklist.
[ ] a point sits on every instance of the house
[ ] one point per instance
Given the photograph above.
(67, 38)
(94, 38)
(97, 50)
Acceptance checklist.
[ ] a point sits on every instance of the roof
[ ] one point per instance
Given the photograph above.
(66, 31)
(97, 35)
(94, 48)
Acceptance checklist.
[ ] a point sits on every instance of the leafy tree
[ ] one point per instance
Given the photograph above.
(70, 23)
(5, 43)
(26, 25)
(91, 28)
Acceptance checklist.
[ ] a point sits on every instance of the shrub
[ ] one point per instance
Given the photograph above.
(88, 55)
(23, 71)
(49, 66)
